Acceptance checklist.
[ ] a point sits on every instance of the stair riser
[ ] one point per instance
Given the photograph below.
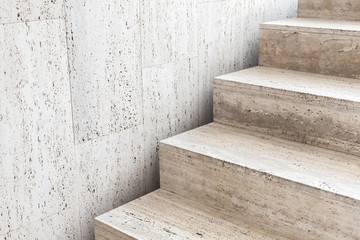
(330, 9)
(330, 54)
(289, 207)
(320, 121)
(105, 234)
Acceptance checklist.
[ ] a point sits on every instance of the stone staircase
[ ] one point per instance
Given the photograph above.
(282, 158)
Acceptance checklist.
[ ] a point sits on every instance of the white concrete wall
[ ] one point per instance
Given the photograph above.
(81, 114)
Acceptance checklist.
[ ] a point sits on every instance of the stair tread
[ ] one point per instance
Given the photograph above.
(316, 25)
(164, 215)
(296, 81)
(308, 165)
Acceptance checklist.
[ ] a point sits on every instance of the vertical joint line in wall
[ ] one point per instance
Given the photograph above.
(143, 165)
(69, 71)
(198, 61)
(141, 60)
(66, 22)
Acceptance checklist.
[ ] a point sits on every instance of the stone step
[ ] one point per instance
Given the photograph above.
(316, 109)
(164, 215)
(330, 9)
(323, 46)
(303, 191)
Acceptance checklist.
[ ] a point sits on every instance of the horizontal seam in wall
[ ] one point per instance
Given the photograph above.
(30, 223)
(31, 21)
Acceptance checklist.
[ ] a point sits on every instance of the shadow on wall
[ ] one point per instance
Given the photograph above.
(89, 88)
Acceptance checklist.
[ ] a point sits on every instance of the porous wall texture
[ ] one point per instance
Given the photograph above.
(88, 88)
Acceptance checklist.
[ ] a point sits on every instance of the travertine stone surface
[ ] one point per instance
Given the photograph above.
(171, 107)
(165, 39)
(110, 45)
(227, 39)
(215, 28)
(37, 161)
(329, 47)
(300, 190)
(310, 108)
(110, 174)
(12, 11)
(164, 215)
(105, 67)
(62, 225)
(330, 9)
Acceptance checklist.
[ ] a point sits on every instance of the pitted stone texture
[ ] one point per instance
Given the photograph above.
(105, 67)
(12, 11)
(312, 45)
(330, 9)
(36, 141)
(227, 40)
(171, 107)
(110, 174)
(62, 225)
(165, 38)
(215, 28)
(310, 108)
(302, 191)
(164, 215)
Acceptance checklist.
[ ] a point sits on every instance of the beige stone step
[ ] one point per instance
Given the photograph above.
(302, 191)
(323, 46)
(330, 9)
(164, 215)
(310, 108)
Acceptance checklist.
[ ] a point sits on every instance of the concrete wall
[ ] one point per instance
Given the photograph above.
(88, 88)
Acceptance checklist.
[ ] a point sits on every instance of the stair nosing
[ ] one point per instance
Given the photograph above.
(345, 196)
(137, 210)
(233, 79)
(291, 25)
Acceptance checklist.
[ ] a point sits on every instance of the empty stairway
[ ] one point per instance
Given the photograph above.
(282, 158)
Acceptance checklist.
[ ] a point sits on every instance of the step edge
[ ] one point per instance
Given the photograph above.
(107, 227)
(225, 216)
(305, 186)
(219, 82)
(275, 25)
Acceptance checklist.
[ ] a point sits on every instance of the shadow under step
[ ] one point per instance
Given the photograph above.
(164, 215)
(299, 190)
